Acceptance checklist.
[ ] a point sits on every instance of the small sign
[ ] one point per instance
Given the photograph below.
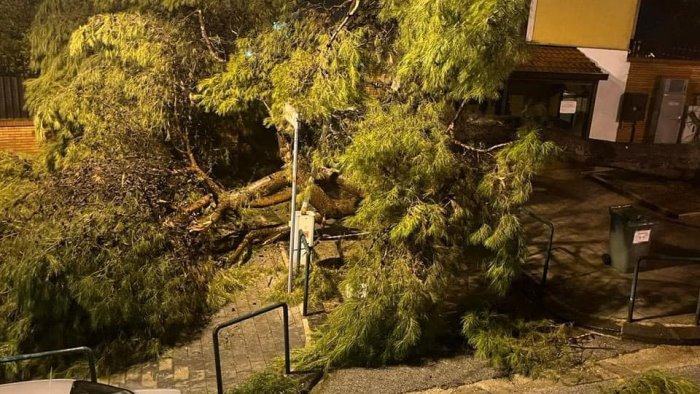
(568, 107)
(291, 115)
(641, 236)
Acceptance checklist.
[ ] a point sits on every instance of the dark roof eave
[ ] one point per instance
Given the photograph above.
(539, 75)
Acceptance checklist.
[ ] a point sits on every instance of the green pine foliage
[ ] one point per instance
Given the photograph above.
(529, 348)
(655, 382)
(461, 49)
(290, 62)
(85, 260)
(267, 382)
(93, 248)
(376, 97)
(15, 20)
(382, 319)
(133, 63)
(506, 187)
(125, 87)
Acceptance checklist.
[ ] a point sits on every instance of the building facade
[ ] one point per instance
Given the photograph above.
(644, 49)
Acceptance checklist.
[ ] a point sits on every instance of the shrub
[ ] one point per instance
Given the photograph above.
(517, 346)
(655, 382)
(87, 258)
(267, 382)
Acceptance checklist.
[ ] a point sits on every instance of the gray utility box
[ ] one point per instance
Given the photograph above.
(630, 236)
(668, 112)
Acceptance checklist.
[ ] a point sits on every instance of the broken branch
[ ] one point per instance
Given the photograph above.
(345, 21)
(250, 238)
(480, 150)
(206, 39)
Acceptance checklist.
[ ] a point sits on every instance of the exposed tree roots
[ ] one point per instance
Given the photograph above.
(263, 193)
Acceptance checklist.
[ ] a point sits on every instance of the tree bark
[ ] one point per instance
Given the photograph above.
(250, 238)
(329, 207)
(237, 198)
(274, 199)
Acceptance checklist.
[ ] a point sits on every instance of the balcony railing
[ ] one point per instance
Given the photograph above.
(655, 50)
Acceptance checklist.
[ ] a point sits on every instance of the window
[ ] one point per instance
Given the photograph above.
(563, 105)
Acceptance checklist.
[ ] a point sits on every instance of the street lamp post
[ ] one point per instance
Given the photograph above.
(292, 116)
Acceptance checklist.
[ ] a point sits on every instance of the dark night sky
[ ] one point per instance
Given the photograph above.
(670, 22)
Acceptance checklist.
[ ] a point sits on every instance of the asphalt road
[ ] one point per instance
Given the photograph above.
(445, 373)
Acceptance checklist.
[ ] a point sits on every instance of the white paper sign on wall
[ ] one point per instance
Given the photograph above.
(568, 107)
(641, 236)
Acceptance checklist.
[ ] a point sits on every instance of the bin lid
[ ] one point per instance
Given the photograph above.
(632, 216)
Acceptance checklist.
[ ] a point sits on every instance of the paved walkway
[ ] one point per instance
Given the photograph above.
(607, 359)
(679, 361)
(579, 281)
(245, 348)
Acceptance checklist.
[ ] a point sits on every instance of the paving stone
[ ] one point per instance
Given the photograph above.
(133, 374)
(181, 373)
(118, 379)
(246, 348)
(165, 364)
(582, 288)
(148, 380)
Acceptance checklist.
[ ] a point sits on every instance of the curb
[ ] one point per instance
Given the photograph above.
(653, 333)
(657, 333)
(641, 200)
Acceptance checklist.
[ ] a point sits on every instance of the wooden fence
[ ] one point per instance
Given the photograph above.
(16, 129)
(12, 98)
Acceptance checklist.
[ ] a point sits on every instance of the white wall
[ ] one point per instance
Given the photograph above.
(604, 125)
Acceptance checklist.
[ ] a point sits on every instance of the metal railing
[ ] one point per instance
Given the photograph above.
(548, 255)
(303, 243)
(635, 281)
(218, 328)
(660, 50)
(62, 352)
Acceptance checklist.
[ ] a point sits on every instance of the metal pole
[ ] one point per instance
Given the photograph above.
(217, 363)
(91, 364)
(549, 252)
(293, 118)
(633, 292)
(549, 242)
(287, 358)
(298, 246)
(305, 309)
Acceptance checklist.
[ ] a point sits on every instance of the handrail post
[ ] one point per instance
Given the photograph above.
(91, 363)
(298, 246)
(287, 357)
(217, 363)
(633, 291)
(550, 242)
(549, 253)
(635, 281)
(221, 326)
(307, 269)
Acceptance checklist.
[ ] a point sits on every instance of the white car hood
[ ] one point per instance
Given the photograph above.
(61, 386)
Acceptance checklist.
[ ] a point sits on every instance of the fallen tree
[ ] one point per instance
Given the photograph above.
(143, 104)
(382, 88)
(120, 233)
